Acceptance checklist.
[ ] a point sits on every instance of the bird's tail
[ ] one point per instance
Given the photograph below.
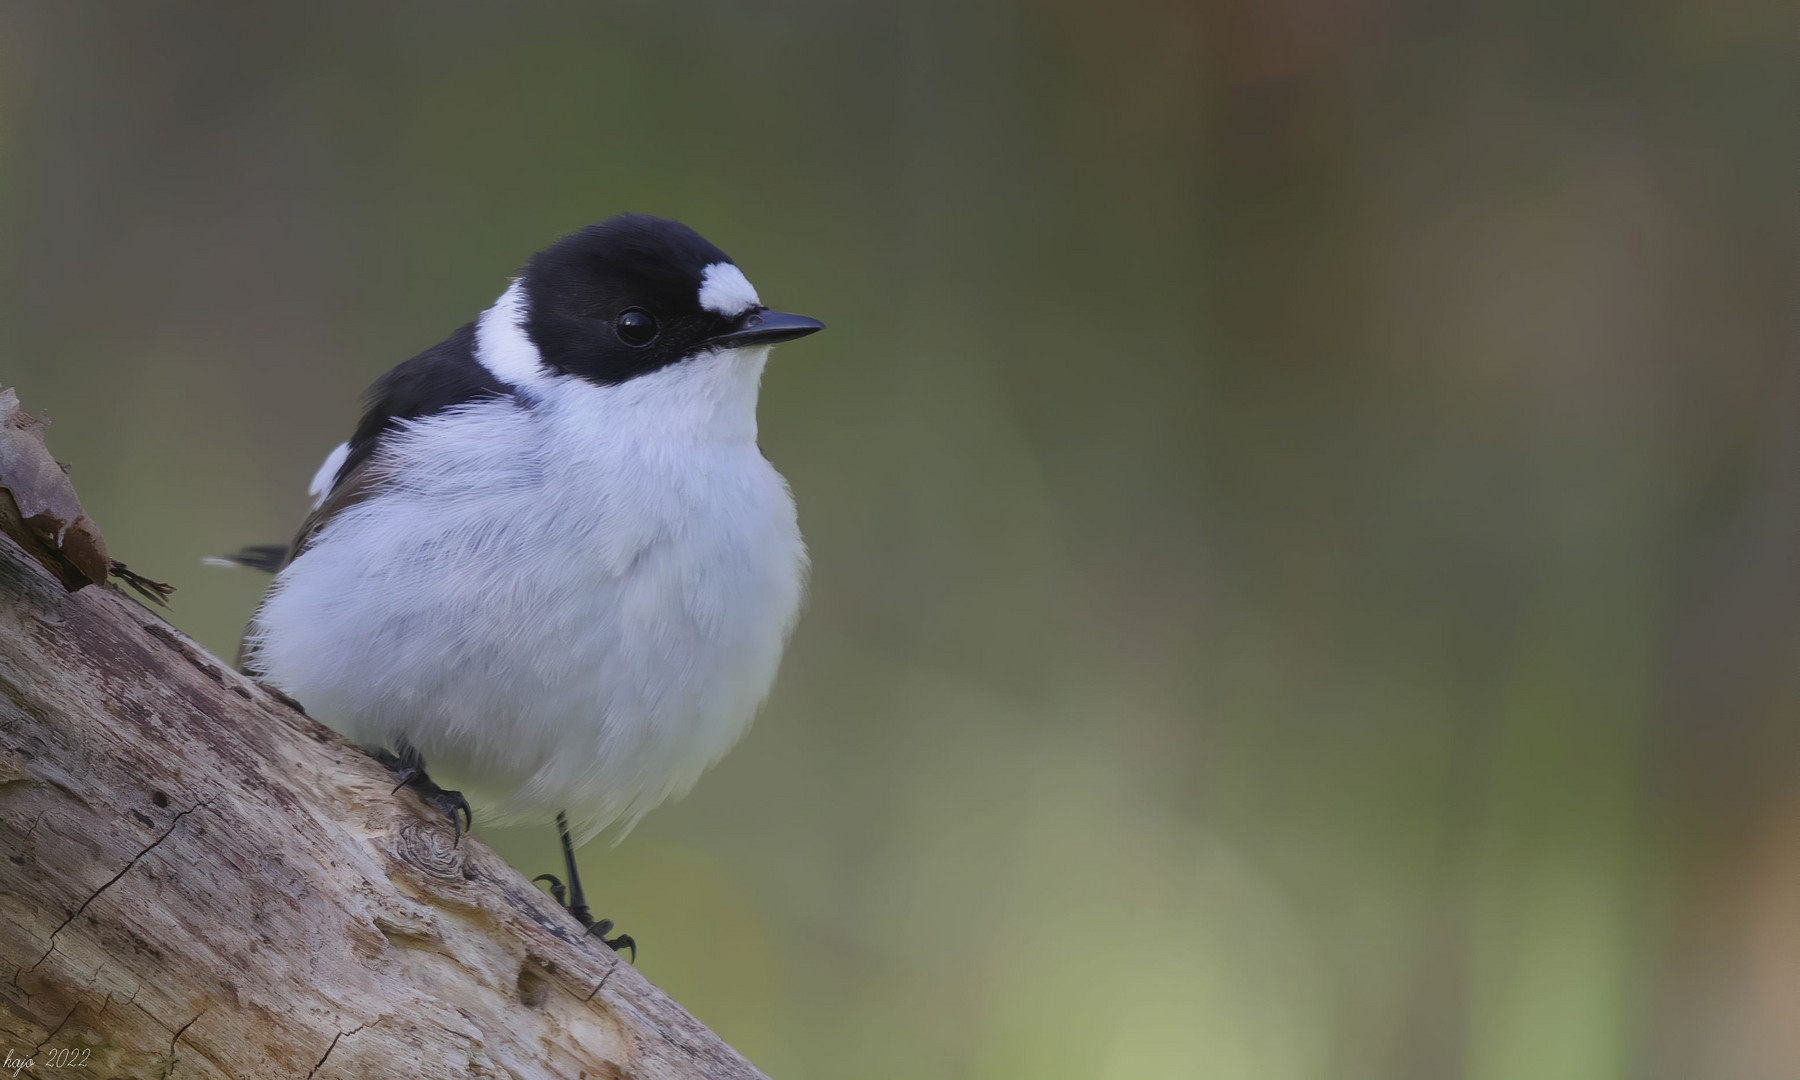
(265, 557)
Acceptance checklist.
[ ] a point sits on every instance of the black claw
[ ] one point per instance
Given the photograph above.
(451, 804)
(620, 944)
(409, 770)
(557, 892)
(603, 927)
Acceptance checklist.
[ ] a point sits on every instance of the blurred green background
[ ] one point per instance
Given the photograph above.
(1305, 496)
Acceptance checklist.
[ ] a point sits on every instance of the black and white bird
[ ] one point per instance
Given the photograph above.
(552, 561)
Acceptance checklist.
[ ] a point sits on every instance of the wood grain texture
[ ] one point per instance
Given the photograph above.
(196, 880)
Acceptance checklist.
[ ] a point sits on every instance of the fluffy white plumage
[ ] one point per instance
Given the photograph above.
(578, 601)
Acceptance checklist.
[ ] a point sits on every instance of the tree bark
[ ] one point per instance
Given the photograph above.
(200, 881)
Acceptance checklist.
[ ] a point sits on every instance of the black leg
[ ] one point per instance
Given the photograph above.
(573, 898)
(409, 770)
(577, 904)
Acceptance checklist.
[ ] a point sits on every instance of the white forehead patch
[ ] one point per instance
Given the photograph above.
(502, 345)
(724, 290)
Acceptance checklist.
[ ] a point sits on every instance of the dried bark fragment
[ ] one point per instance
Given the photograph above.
(39, 509)
(45, 516)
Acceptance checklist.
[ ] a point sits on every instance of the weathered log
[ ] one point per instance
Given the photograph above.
(197, 880)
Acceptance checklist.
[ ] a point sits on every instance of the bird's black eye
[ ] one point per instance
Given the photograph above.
(636, 328)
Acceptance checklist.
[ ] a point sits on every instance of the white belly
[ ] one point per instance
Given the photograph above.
(559, 611)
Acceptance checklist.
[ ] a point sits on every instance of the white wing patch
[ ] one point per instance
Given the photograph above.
(724, 290)
(322, 480)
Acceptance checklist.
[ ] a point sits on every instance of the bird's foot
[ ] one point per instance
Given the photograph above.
(409, 769)
(595, 927)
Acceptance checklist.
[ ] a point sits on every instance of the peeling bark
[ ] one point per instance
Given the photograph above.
(198, 881)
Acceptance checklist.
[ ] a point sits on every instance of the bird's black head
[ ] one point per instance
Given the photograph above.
(636, 293)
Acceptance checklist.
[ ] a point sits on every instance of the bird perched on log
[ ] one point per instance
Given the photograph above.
(552, 561)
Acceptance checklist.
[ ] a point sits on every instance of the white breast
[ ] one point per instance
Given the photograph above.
(577, 602)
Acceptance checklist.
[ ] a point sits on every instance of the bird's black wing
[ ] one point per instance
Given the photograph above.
(443, 376)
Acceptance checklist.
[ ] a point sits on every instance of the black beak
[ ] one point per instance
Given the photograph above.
(767, 328)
